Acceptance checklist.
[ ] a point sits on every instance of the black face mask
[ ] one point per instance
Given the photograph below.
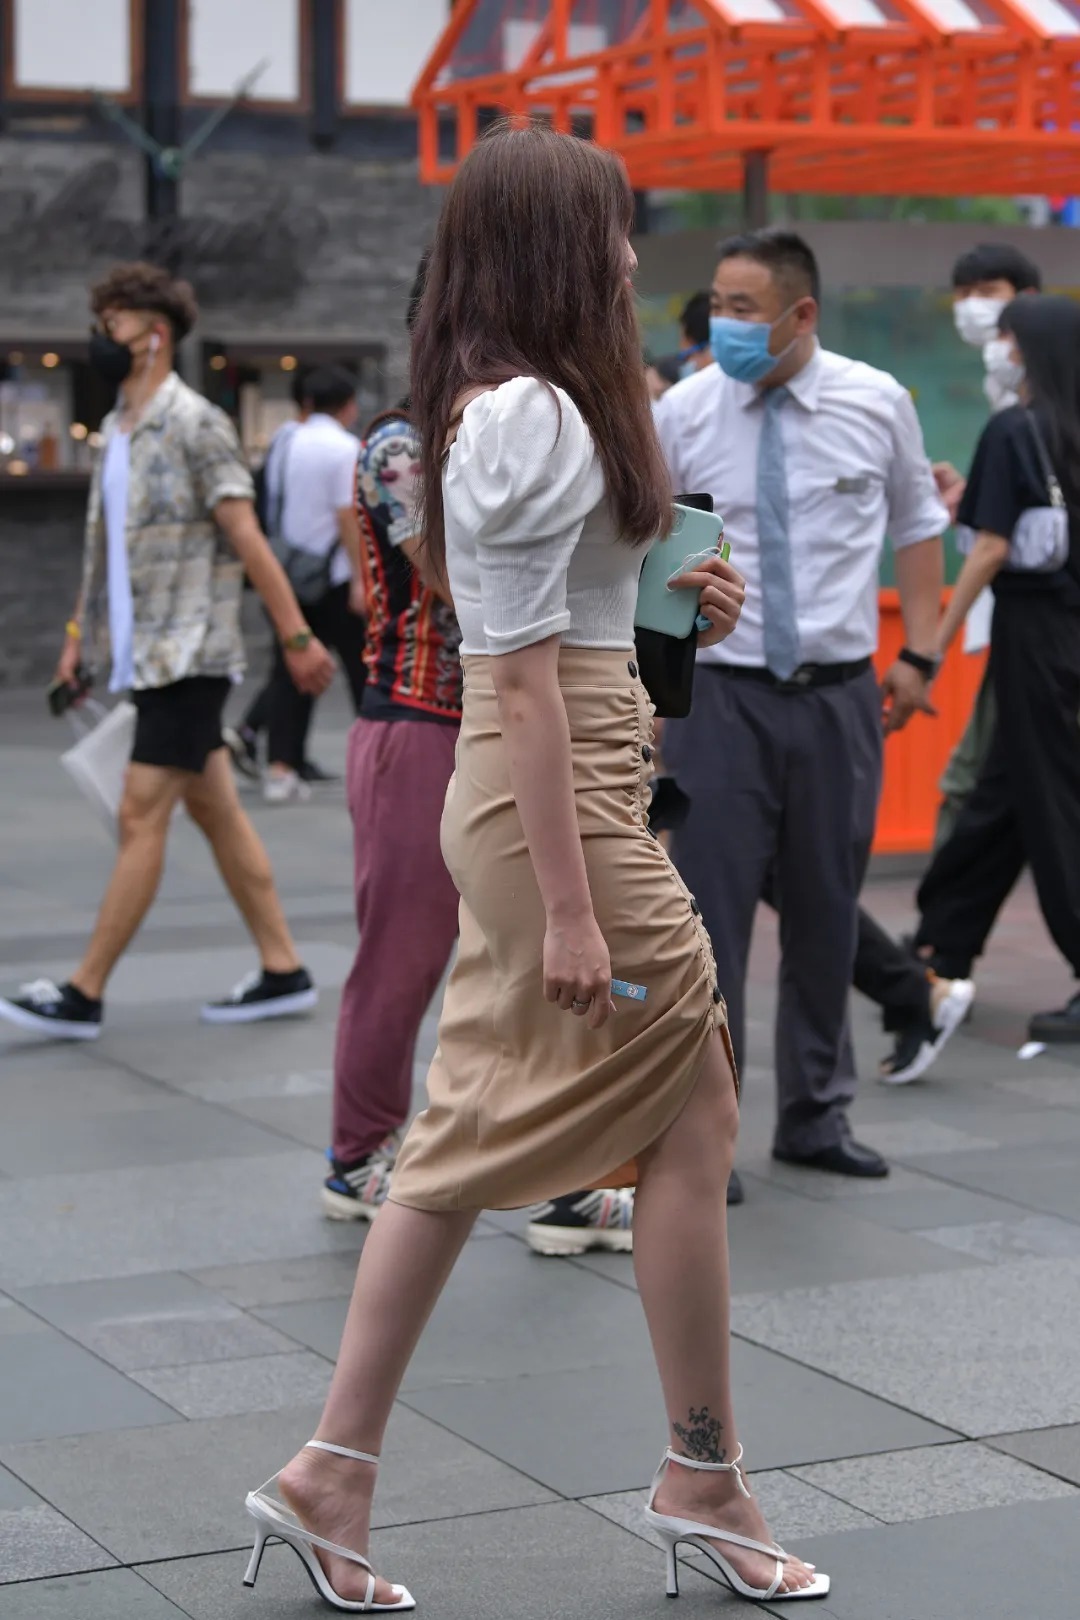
(110, 359)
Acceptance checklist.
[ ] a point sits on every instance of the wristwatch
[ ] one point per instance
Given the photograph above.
(299, 641)
(926, 666)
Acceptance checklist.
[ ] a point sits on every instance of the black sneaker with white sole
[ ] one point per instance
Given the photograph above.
(581, 1221)
(264, 995)
(59, 1011)
(921, 1042)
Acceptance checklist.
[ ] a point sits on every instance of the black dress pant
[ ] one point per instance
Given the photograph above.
(289, 709)
(1025, 807)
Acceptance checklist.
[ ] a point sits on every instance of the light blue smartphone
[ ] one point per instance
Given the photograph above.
(694, 536)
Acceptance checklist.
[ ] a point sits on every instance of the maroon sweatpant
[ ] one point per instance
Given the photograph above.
(406, 911)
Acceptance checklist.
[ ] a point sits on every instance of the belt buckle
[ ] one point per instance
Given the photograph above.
(799, 679)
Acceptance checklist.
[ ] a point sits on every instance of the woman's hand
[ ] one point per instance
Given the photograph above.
(723, 592)
(577, 969)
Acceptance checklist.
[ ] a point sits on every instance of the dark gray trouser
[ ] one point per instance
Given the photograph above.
(786, 782)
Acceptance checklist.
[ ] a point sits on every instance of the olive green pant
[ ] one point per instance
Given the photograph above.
(966, 761)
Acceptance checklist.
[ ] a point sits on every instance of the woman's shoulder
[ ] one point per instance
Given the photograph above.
(1005, 427)
(524, 403)
(525, 430)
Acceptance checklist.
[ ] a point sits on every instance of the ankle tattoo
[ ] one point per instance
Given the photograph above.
(701, 1436)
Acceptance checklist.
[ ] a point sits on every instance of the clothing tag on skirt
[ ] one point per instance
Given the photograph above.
(632, 992)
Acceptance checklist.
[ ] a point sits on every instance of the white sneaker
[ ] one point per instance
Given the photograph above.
(578, 1222)
(285, 787)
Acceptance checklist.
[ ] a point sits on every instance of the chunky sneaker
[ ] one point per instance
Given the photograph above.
(59, 1011)
(356, 1192)
(919, 1045)
(582, 1221)
(262, 994)
(1057, 1028)
(285, 787)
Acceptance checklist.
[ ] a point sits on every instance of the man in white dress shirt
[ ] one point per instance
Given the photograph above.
(317, 480)
(811, 458)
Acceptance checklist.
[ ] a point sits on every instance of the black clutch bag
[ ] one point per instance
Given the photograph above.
(666, 662)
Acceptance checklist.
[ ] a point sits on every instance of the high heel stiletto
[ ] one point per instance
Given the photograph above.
(275, 1521)
(672, 1531)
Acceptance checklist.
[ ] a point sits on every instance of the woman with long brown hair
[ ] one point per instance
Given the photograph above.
(543, 483)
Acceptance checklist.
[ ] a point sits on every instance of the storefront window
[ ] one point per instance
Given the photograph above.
(51, 407)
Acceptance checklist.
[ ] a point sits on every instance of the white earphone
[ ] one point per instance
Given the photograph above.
(155, 342)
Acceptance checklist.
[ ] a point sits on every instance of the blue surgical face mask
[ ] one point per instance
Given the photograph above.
(741, 348)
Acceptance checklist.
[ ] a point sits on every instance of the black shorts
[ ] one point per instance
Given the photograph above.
(179, 726)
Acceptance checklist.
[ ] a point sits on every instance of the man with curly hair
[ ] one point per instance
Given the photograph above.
(170, 532)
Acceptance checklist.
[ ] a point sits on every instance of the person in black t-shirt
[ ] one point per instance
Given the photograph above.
(1025, 807)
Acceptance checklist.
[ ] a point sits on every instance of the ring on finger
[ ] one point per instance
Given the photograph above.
(576, 1004)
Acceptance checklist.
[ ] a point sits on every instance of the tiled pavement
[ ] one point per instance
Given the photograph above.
(170, 1299)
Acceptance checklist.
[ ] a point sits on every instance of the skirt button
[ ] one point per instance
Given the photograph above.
(717, 997)
(632, 668)
(646, 752)
(694, 907)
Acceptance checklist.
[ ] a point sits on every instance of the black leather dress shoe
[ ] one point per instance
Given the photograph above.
(735, 1194)
(843, 1159)
(1057, 1027)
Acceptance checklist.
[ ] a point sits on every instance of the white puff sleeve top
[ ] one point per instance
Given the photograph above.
(531, 551)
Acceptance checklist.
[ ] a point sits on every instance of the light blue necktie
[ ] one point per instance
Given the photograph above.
(781, 629)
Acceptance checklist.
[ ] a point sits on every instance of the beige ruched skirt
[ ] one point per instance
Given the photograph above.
(525, 1102)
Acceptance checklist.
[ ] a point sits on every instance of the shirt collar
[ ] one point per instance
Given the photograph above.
(157, 406)
(805, 386)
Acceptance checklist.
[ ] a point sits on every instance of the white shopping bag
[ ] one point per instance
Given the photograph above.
(99, 760)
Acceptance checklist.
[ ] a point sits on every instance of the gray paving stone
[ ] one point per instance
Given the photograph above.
(933, 1208)
(1044, 1235)
(596, 1431)
(36, 1542)
(901, 1339)
(49, 1386)
(1055, 1450)
(1040, 1177)
(177, 1491)
(71, 1228)
(300, 1119)
(262, 1087)
(161, 1135)
(226, 1388)
(540, 1563)
(35, 1094)
(788, 1242)
(287, 1282)
(1000, 1564)
(160, 1320)
(904, 1138)
(549, 1317)
(793, 1508)
(14, 1494)
(927, 1482)
(15, 1319)
(117, 1594)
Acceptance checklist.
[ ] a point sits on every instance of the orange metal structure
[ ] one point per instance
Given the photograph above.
(951, 97)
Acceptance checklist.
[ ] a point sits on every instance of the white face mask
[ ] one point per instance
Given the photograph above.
(1004, 373)
(977, 319)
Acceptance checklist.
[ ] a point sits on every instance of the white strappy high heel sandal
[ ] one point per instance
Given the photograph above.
(672, 1531)
(276, 1521)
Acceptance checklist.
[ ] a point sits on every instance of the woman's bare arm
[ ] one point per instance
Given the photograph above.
(982, 563)
(536, 734)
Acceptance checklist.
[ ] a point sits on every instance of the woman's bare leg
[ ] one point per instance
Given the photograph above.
(681, 1264)
(408, 1255)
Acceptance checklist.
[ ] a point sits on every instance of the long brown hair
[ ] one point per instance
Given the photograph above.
(528, 277)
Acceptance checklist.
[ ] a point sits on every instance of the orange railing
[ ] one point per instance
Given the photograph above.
(915, 758)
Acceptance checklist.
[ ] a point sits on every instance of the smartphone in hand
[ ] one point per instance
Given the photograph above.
(64, 695)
